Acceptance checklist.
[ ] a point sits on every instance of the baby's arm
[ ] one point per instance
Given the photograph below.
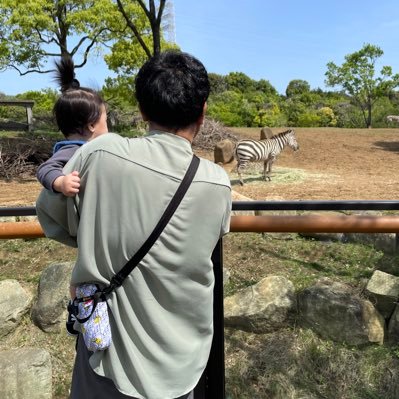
(67, 184)
(50, 173)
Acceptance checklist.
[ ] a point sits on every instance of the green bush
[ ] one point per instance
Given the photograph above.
(309, 119)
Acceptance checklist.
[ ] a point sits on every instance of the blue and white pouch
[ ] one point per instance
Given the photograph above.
(96, 330)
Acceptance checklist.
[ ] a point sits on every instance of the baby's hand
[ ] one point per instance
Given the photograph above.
(68, 184)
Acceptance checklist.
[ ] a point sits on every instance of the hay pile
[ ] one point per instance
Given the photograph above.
(20, 157)
(210, 134)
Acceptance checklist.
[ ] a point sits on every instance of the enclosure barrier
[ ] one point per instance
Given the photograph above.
(271, 223)
(257, 224)
(28, 105)
(212, 383)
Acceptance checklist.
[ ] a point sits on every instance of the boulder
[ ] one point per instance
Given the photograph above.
(224, 151)
(383, 291)
(393, 327)
(49, 312)
(263, 307)
(324, 236)
(385, 242)
(14, 303)
(25, 373)
(235, 196)
(266, 133)
(331, 310)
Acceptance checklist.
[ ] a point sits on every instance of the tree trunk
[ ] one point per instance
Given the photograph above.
(368, 122)
(156, 38)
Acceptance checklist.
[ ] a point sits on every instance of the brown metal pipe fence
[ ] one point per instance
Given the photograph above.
(271, 223)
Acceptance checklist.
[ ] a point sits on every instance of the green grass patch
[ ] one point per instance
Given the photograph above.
(251, 256)
(289, 363)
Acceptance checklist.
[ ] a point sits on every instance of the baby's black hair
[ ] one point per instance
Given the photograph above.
(77, 107)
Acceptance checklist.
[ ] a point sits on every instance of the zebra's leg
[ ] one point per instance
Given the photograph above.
(239, 166)
(265, 169)
(268, 172)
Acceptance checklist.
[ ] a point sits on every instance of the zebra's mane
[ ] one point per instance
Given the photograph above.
(284, 133)
(279, 135)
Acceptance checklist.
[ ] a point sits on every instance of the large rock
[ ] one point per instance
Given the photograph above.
(25, 373)
(393, 327)
(385, 242)
(263, 307)
(383, 291)
(331, 310)
(266, 133)
(14, 303)
(49, 312)
(235, 196)
(224, 151)
(340, 237)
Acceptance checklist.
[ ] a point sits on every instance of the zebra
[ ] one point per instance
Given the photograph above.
(265, 151)
(393, 118)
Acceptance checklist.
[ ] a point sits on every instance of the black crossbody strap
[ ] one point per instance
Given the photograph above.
(117, 279)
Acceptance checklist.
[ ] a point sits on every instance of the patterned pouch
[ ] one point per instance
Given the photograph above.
(96, 330)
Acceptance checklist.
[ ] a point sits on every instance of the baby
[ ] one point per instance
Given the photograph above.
(81, 116)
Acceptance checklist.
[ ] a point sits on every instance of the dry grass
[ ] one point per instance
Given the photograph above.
(296, 364)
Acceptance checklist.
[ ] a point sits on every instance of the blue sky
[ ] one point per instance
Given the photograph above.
(277, 41)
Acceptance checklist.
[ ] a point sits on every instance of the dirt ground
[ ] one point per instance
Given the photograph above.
(331, 164)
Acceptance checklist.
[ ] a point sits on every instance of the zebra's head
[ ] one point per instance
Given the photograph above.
(291, 140)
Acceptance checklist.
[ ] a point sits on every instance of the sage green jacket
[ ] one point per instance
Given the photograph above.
(161, 317)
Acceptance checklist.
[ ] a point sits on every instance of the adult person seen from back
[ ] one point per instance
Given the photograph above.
(162, 316)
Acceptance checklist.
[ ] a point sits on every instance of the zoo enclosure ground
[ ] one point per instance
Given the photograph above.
(335, 164)
(331, 164)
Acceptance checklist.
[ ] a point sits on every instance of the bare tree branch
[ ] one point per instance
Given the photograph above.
(42, 39)
(160, 11)
(76, 48)
(134, 29)
(88, 48)
(145, 9)
(30, 70)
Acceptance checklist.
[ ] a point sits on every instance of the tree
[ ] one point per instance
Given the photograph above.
(136, 34)
(297, 87)
(34, 31)
(357, 78)
(240, 82)
(154, 16)
(266, 88)
(217, 82)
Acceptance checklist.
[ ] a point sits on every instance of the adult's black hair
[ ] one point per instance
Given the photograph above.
(77, 107)
(172, 88)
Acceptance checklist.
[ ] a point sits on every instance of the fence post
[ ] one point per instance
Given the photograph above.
(215, 368)
(211, 385)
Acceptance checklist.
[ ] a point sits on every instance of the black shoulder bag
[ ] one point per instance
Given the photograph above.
(118, 279)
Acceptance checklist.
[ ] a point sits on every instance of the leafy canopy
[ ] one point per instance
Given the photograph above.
(357, 77)
(33, 31)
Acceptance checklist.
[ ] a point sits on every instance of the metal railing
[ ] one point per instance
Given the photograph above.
(324, 205)
(212, 384)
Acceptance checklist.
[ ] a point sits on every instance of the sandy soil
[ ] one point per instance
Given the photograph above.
(331, 164)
